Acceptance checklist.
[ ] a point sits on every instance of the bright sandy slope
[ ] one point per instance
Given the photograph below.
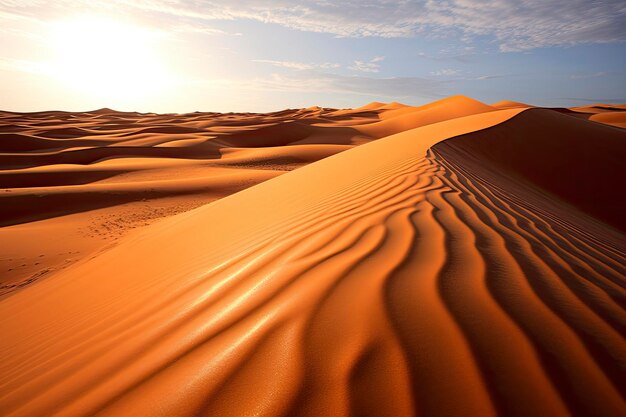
(76, 183)
(400, 277)
(383, 281)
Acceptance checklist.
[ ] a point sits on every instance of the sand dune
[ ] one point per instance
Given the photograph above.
(508, 104)
(404, 118)
(564, 167)
(617, 119)
(102, 166)
(463, 260)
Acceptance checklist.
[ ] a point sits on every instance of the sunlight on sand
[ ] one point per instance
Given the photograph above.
(452, 259)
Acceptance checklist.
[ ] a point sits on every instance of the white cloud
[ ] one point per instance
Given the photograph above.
(311, 81)
(206, 30)
(298, 65)
(446, 72)
(513, 25)
(368, 66)
(489, 77)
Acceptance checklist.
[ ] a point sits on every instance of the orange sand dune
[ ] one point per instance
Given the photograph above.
(600, 108)
(102, 166)
(584, 175)
(472, 264)
(617, 119)
(611, 114)
(508, 104)
(405, 118)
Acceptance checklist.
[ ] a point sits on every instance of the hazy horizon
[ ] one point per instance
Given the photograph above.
(271, 110)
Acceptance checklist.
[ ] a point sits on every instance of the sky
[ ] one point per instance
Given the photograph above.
(265, 55)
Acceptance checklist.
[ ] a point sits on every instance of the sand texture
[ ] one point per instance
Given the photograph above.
(454, 259)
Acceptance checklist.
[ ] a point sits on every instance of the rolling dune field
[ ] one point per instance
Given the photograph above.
(452, 259)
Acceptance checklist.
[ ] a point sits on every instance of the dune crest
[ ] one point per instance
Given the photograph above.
(508, 104)
(386, 279)
(405, 118)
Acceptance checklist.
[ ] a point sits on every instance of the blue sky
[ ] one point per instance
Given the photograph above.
(253, 55)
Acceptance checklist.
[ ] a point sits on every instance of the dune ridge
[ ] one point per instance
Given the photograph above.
(82, 181)
(564, 167)
(438, 276)
(104, 173)
(418, 276)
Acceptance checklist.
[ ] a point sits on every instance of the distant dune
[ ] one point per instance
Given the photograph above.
(453, 259)
(508, 104)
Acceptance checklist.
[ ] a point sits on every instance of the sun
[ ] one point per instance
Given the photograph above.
(108, 59)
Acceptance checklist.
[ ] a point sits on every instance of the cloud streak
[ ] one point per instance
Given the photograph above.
(297, 65)
(445, 72)
(372, 65)
(312, 81)
(513, 25)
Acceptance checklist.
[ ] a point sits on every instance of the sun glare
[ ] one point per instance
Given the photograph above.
(107, 59)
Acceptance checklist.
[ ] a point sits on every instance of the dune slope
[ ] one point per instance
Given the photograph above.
(81, 181)
(578, 161)
(417, 282)
(399, 119)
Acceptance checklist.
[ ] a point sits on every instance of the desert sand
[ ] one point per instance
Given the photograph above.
(452, 259)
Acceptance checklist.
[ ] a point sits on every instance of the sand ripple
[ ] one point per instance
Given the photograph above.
(401, 277)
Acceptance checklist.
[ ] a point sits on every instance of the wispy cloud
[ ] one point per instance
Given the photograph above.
(447, 72)
(203, 29)
(311, 81)
(298, 65)
(465, 54)
(491, 77)
(452, 74)
(513, 25)
(368, 66)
